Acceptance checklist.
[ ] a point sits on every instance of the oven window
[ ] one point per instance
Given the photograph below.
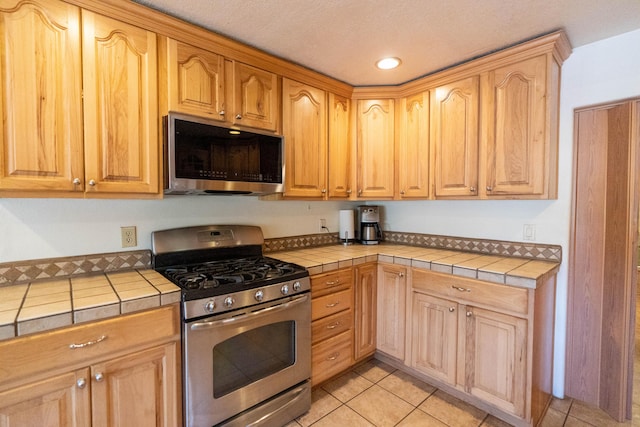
(252, 355)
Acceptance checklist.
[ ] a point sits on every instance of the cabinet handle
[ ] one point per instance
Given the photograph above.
(88, 343)
(469, 313)
(99, 377)
(221, 112)
(92, 182)
(349, 191)
(452, 309)
(332, 357)
(81, 383)
(489, 188)
(458, 288)
(239, 116)
(360, 192)
(332, 283)
(334, 325)
(76, 181)
(332, 305)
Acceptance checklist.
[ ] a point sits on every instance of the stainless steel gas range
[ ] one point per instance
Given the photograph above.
(246, 334)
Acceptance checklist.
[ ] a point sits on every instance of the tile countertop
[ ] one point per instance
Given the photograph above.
(52, 303)
(47, 304)
(512, 271)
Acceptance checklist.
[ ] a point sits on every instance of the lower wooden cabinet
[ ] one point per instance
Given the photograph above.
(365, 311)
(392, 285)
(121, 376)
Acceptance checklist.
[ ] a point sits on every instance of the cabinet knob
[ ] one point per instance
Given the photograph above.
(452, 309)
(221, 112)
(324, 191)
(349, 191)
(76, 181)
(402, 192)
(99, 377)
(238, 116)
(472, 189)
(92, 182)
(489, 188)
(81, 383)
(401, 274)
(360, 192)
(469, 313)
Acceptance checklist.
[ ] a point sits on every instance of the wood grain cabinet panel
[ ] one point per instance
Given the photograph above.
(413, 147)
(121, 107)
(304, 122)
(391, 309)
(365, 290)
(455, 137)
(195, 79)
(339, 164)
(256, 95)
(375, 147)
(41, 145)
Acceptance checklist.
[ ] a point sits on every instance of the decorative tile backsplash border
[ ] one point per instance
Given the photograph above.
(25, 271)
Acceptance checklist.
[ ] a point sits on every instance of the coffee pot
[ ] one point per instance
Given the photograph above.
(369, 225)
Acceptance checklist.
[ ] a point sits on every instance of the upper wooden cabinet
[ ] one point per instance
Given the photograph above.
(413, 147)
(375, 148)
(304, 122)
(520, 109)
(194, 80)
(454, 135)
(121, 107)
(43, 79)
(256, 95)
(339, 164)
(41, 142)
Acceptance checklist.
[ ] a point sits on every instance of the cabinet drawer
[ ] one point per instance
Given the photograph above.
(331, 357)
(501, 297)
(331, 326)
(322, 284)
(330, 304)
(34, 354)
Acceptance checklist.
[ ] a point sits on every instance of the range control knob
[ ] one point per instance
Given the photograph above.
(259, 296)
(297, 286)
(228, 302)
(284, 289)
(210, 306)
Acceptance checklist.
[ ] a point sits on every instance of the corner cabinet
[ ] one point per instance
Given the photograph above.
(375, 148)
(365, 293)
(126, 373)
(413, 167)
(57, 55)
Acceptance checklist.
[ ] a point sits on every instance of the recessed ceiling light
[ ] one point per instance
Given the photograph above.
(234, 132)
(388, 63)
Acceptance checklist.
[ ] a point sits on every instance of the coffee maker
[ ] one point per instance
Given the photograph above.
(369, 225)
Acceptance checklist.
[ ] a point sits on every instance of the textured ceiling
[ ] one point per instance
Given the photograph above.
(344, 38)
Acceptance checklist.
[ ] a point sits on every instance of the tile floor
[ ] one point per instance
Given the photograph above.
(376, 394)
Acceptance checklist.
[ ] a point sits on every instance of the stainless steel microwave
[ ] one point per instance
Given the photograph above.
(202, 157)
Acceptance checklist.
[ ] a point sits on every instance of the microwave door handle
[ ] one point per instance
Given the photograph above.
(250, 316)
(258, 422)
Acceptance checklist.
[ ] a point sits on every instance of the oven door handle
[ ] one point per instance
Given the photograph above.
(269, 310)
(259, 421)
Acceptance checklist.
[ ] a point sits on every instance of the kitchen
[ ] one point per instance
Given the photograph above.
(594, 73)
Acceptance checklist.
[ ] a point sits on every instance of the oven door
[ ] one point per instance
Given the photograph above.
(236, 361)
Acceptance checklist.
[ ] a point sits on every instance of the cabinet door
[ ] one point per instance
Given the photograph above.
(339, 165)
(495, 357)
(60, 401)
(413, 148)
(140, 389)
(40, 96)
(434, 332)
(375, 148)
(392, 283)
(454, 135)
(195, 80)
(120, 107)
(304, 123)
(518, 144)
(256, 96)
(365, 311)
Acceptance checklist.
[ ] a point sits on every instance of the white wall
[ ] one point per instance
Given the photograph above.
(599, 72)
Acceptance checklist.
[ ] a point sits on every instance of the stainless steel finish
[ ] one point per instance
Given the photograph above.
(368, 225)
(204, 237)
(81, 383)
(276, 412)
(228, 302)
(284, 290)
(88, 343)
(202, 336)
(200, 307)
(99, 377)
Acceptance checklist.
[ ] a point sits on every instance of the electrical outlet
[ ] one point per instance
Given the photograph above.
(128, 235)
(323, 224)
